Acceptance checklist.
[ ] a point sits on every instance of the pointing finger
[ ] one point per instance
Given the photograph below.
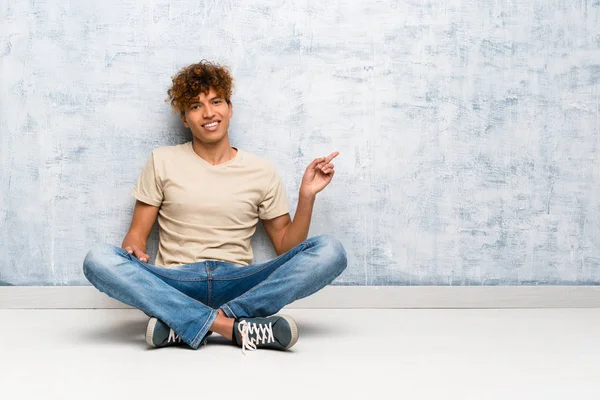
(332, 156)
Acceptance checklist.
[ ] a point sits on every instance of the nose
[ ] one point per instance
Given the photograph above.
(208, 112)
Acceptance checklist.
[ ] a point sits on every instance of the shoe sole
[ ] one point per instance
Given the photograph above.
(294, 329)
(150, 331)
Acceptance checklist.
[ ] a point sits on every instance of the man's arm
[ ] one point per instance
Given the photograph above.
(284, 234)
(143, 218)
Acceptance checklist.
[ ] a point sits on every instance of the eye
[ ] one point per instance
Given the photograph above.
(217, 102)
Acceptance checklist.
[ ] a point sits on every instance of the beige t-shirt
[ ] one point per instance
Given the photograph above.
(208, 212)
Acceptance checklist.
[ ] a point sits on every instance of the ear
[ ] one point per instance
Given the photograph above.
(184, 120)
(230, 109)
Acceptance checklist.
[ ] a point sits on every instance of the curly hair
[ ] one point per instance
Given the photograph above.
(199, 78)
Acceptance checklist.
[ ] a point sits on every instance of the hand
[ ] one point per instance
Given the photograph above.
(318, 174)
(136, 251)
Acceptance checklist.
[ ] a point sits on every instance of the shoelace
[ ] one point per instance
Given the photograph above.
(173, 337)
(263, 334)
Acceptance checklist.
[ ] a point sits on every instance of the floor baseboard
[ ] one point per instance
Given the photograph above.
(77, 297)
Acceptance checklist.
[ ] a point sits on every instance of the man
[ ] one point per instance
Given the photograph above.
(208, 197)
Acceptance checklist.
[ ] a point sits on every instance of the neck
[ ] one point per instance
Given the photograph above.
(214, 153)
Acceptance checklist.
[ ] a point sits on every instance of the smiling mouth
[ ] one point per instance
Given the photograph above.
(211, 125)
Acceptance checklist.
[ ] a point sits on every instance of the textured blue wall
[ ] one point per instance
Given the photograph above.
(469, 130)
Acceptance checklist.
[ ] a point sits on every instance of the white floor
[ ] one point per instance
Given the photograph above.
(341, 354)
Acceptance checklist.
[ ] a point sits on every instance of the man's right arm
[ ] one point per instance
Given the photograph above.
(142, 221)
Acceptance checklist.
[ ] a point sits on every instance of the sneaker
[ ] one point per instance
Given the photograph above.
(277, 332)
(158, 334)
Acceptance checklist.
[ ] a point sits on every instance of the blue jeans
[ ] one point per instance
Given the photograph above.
(187, 297)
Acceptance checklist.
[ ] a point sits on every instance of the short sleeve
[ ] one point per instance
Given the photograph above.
(275, 202)
(147, 188)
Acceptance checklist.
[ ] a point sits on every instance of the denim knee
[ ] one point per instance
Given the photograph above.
(332, 253)
(100, 257)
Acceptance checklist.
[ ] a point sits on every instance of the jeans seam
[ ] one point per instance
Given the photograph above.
(230, 310)
(262, 269)
(206, 322)
(209, 284)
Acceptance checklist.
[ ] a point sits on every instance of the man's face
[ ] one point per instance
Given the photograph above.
(208, 117)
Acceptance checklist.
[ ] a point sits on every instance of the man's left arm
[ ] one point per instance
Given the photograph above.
(286, 234)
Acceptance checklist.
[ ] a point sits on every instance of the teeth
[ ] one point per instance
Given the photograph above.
(211, 125)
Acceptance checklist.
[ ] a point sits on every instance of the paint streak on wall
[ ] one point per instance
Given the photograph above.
(469, 131)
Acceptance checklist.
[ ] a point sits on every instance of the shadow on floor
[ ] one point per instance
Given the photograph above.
(132, 331)
(311, 329)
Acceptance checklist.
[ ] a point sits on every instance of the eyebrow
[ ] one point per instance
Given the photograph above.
(211, 99)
